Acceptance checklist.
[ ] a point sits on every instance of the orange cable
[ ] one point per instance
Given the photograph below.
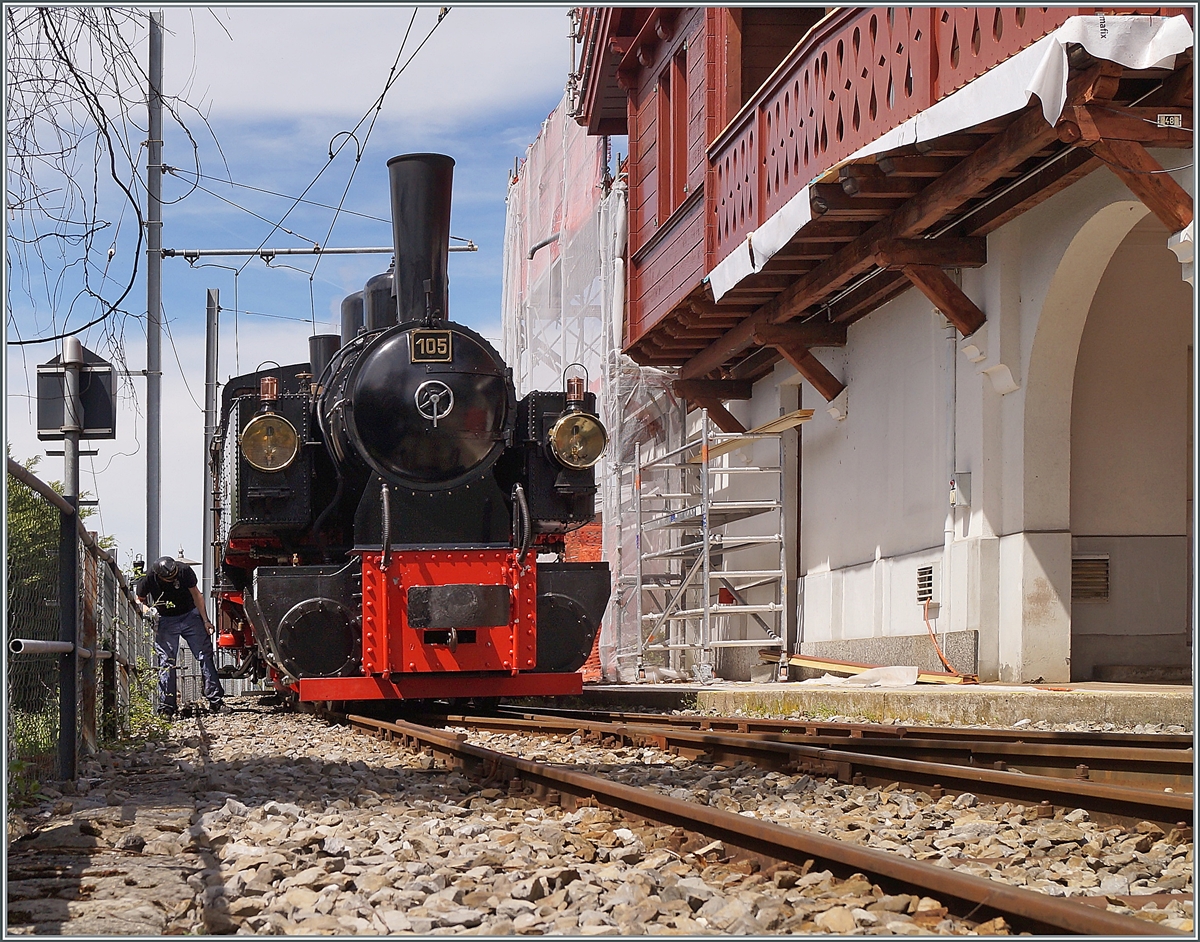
(936, 647)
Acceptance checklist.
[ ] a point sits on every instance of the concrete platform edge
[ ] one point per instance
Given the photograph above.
(925, 706)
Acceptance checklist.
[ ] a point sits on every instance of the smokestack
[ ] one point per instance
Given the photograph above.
(352, 316)
(379, 302)
(321, 349)
(421, 188)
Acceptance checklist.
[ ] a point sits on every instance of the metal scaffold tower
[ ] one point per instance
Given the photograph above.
(711, 566)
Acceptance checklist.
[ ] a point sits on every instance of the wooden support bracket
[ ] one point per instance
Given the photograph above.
(801, 335)
(725, 420)
(960, 310)
(1090, 123)
(811, 369)
(721, 389)
(940, 253)
(1148, 181)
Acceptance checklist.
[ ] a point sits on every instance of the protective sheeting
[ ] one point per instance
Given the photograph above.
(1136, 42)
(555, 305)
(566, 305)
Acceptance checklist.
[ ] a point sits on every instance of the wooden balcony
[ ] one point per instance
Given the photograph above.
(856, 75)
(861, 73)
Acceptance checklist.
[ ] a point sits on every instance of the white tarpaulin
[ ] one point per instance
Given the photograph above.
(1136, 42)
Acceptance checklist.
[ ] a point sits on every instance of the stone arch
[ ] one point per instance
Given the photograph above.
(1050, 375)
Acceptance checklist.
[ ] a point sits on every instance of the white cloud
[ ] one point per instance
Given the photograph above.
(285, 61)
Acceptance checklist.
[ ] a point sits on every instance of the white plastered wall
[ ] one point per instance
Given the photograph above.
(875, 491)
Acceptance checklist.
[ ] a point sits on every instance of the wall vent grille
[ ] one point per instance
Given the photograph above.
(1089, 579)
(924, 583)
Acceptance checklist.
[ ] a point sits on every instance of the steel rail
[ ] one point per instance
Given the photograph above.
(1129, 765)
(1170, 808)
(1025, 910)
(866, 730)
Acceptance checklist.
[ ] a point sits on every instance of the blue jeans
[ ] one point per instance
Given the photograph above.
(189, 627)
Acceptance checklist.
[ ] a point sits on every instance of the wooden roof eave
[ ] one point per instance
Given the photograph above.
(849, 282)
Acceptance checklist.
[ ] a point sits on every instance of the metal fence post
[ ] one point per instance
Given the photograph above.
(68, 560)
(89, 636)
(67, 593)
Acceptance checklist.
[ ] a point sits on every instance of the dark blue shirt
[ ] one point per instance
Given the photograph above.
(170, 598)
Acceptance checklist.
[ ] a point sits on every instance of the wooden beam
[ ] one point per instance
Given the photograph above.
(756, 365)
(916, 166)
(725, 420)
(722, 389)
(825, 198)
(1148, 182)
(942, 253)
(1028, 134)
(812, 370)
(936, 285)
(882, 185)
(814, 334)
(864, 298)
(1090, 123)
(1031, 191)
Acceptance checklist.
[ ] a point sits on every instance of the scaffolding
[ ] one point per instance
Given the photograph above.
(711, 569)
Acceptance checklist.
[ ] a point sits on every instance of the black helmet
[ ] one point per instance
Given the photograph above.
(165, 569)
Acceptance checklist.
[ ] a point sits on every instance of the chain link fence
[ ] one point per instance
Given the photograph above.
(111, 639)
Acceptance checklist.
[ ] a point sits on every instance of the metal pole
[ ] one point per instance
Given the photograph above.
(639, 548)
(154, 294)
(706, 667)
(210, 429)
(68, 563)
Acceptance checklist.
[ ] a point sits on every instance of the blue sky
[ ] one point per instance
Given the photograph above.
(276, 84)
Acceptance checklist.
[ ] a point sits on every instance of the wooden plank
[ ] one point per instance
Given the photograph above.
(811, 369)
(1147, 181)
(1028, 134)
(812, 334)
(774, 427)
(943, 253)
(725, 420)
(850, 667)
(960, 310)
(723, 389)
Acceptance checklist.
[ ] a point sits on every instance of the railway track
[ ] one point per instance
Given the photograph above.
(842, 730)
(770, 845)
(939, 765)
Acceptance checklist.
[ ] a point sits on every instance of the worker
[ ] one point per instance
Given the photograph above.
(169, 589)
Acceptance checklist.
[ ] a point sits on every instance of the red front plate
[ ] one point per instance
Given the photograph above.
(392, 646)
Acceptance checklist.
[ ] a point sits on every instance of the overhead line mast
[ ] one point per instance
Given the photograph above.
(154, 293)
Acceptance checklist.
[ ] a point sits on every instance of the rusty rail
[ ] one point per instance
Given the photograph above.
(1025, 910)
(1170, 808)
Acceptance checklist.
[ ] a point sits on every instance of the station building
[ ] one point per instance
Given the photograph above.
(962, 237)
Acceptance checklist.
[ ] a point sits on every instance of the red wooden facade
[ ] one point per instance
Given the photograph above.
(773, 99)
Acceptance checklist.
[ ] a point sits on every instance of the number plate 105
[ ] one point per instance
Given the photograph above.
(431, 346)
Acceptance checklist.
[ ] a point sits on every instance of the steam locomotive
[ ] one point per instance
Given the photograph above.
(391, 520)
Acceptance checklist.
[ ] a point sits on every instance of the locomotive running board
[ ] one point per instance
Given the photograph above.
(430, 686)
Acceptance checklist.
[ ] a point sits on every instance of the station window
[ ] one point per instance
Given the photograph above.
(672, 135)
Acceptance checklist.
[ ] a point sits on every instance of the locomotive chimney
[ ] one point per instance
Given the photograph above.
(379, 300)
(352, 316)
(321, 349)
(421, 189)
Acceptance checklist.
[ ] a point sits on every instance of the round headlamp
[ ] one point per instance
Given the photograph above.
(577, 440)
(269, 442)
